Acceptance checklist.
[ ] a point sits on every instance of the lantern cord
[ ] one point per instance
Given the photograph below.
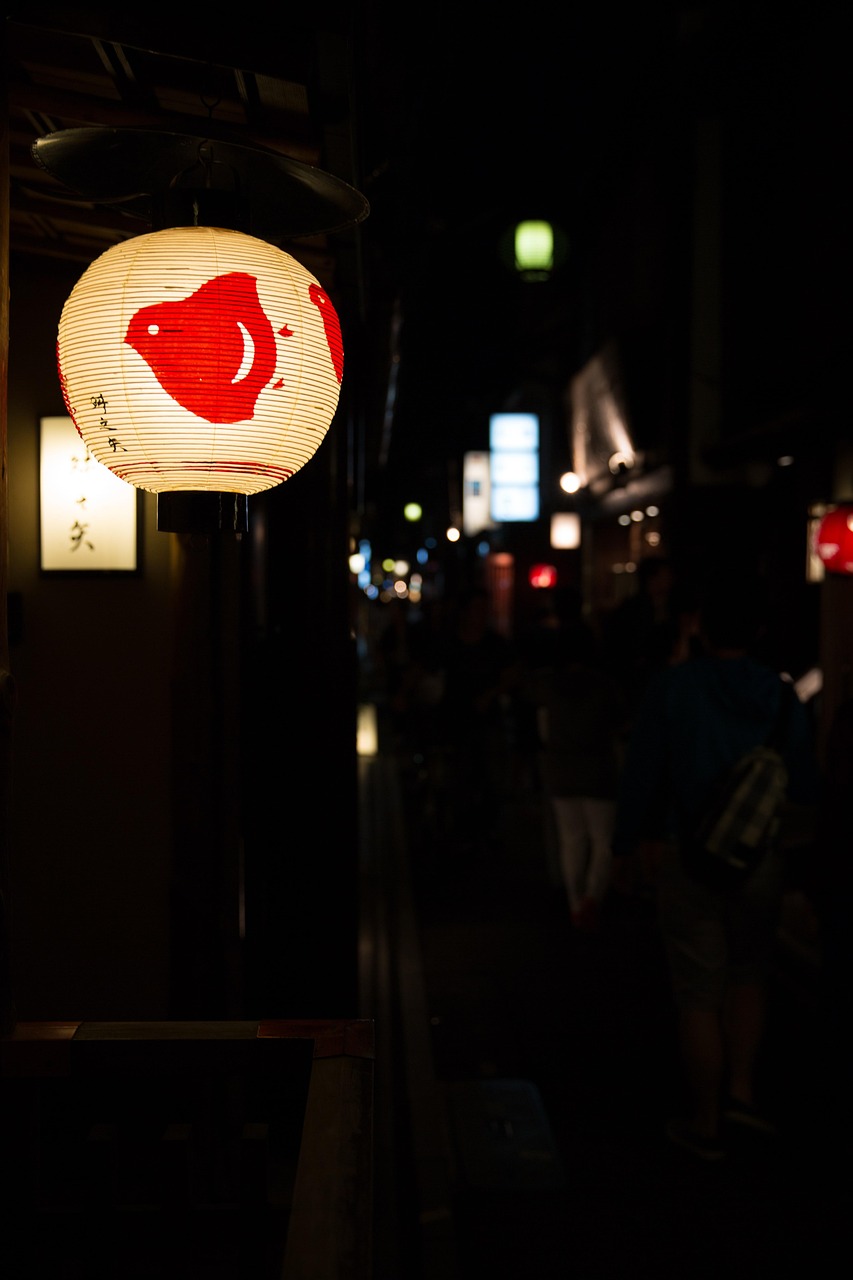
(205, 161)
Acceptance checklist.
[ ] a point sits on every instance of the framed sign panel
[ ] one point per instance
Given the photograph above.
(89, 519)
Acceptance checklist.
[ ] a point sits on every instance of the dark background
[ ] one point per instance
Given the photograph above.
(593, 122)
(692, 161)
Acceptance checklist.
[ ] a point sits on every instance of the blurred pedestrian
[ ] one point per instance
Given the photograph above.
(695, 719)
(642, 634)
(561, 610)
(481, 674)
(393, 659)
(581, 716)
(828, 888)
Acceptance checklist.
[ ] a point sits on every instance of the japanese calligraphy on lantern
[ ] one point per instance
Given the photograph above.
(88, 518)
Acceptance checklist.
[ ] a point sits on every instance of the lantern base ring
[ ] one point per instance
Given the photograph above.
(202, 511)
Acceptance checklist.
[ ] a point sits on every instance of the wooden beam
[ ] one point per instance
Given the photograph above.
(7, 684)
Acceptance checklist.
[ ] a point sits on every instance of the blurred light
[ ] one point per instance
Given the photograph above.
(534, 250)
(476, 492)
(388, 564)
(570, 482)
(367, 736)
(600, 428)
(413, 511)
(637, 516)
(620, 461)
(422, 555)
(452, 534)
(652, 511)
(483, 548)
(809, 684)
(514, 467)
(624, 519)
(565, 530)
(542, 576)
(401, 587)
(401, 568)
(785, 461)
(653, 538)
(356, 562)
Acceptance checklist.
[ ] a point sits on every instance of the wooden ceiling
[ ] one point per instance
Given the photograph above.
(69, 71)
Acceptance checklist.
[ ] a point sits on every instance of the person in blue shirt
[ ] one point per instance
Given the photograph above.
(696, 718)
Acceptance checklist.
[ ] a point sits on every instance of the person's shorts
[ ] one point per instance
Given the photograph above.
(713, 941)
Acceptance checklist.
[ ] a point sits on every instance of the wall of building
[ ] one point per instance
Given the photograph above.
(89, 831)
(183, 837)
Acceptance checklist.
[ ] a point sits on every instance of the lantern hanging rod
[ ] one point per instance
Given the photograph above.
(206, 163)
(136, 169)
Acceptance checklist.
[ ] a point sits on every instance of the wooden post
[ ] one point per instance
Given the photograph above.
(7, 684)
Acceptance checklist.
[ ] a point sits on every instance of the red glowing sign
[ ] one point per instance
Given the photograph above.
(542, 575)
(834, 540)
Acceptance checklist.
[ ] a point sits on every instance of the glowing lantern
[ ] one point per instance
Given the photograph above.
(200, 359)
(834, 540)
(534, 249)
(565, 530)
(542, 576)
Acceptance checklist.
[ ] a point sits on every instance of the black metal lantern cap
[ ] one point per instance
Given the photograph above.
(202, 511)
(139, 171)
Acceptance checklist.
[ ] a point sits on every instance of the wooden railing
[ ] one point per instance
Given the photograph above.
(238, 1149)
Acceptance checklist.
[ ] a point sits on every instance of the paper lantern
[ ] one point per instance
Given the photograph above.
(200, 359)
(566, 530)
(534, 249)
(542, 576)
(834, 540)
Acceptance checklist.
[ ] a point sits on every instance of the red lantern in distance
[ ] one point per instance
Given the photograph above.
(542, 575)
(834, 540)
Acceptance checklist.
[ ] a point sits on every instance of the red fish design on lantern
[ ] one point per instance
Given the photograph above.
(214, 352)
